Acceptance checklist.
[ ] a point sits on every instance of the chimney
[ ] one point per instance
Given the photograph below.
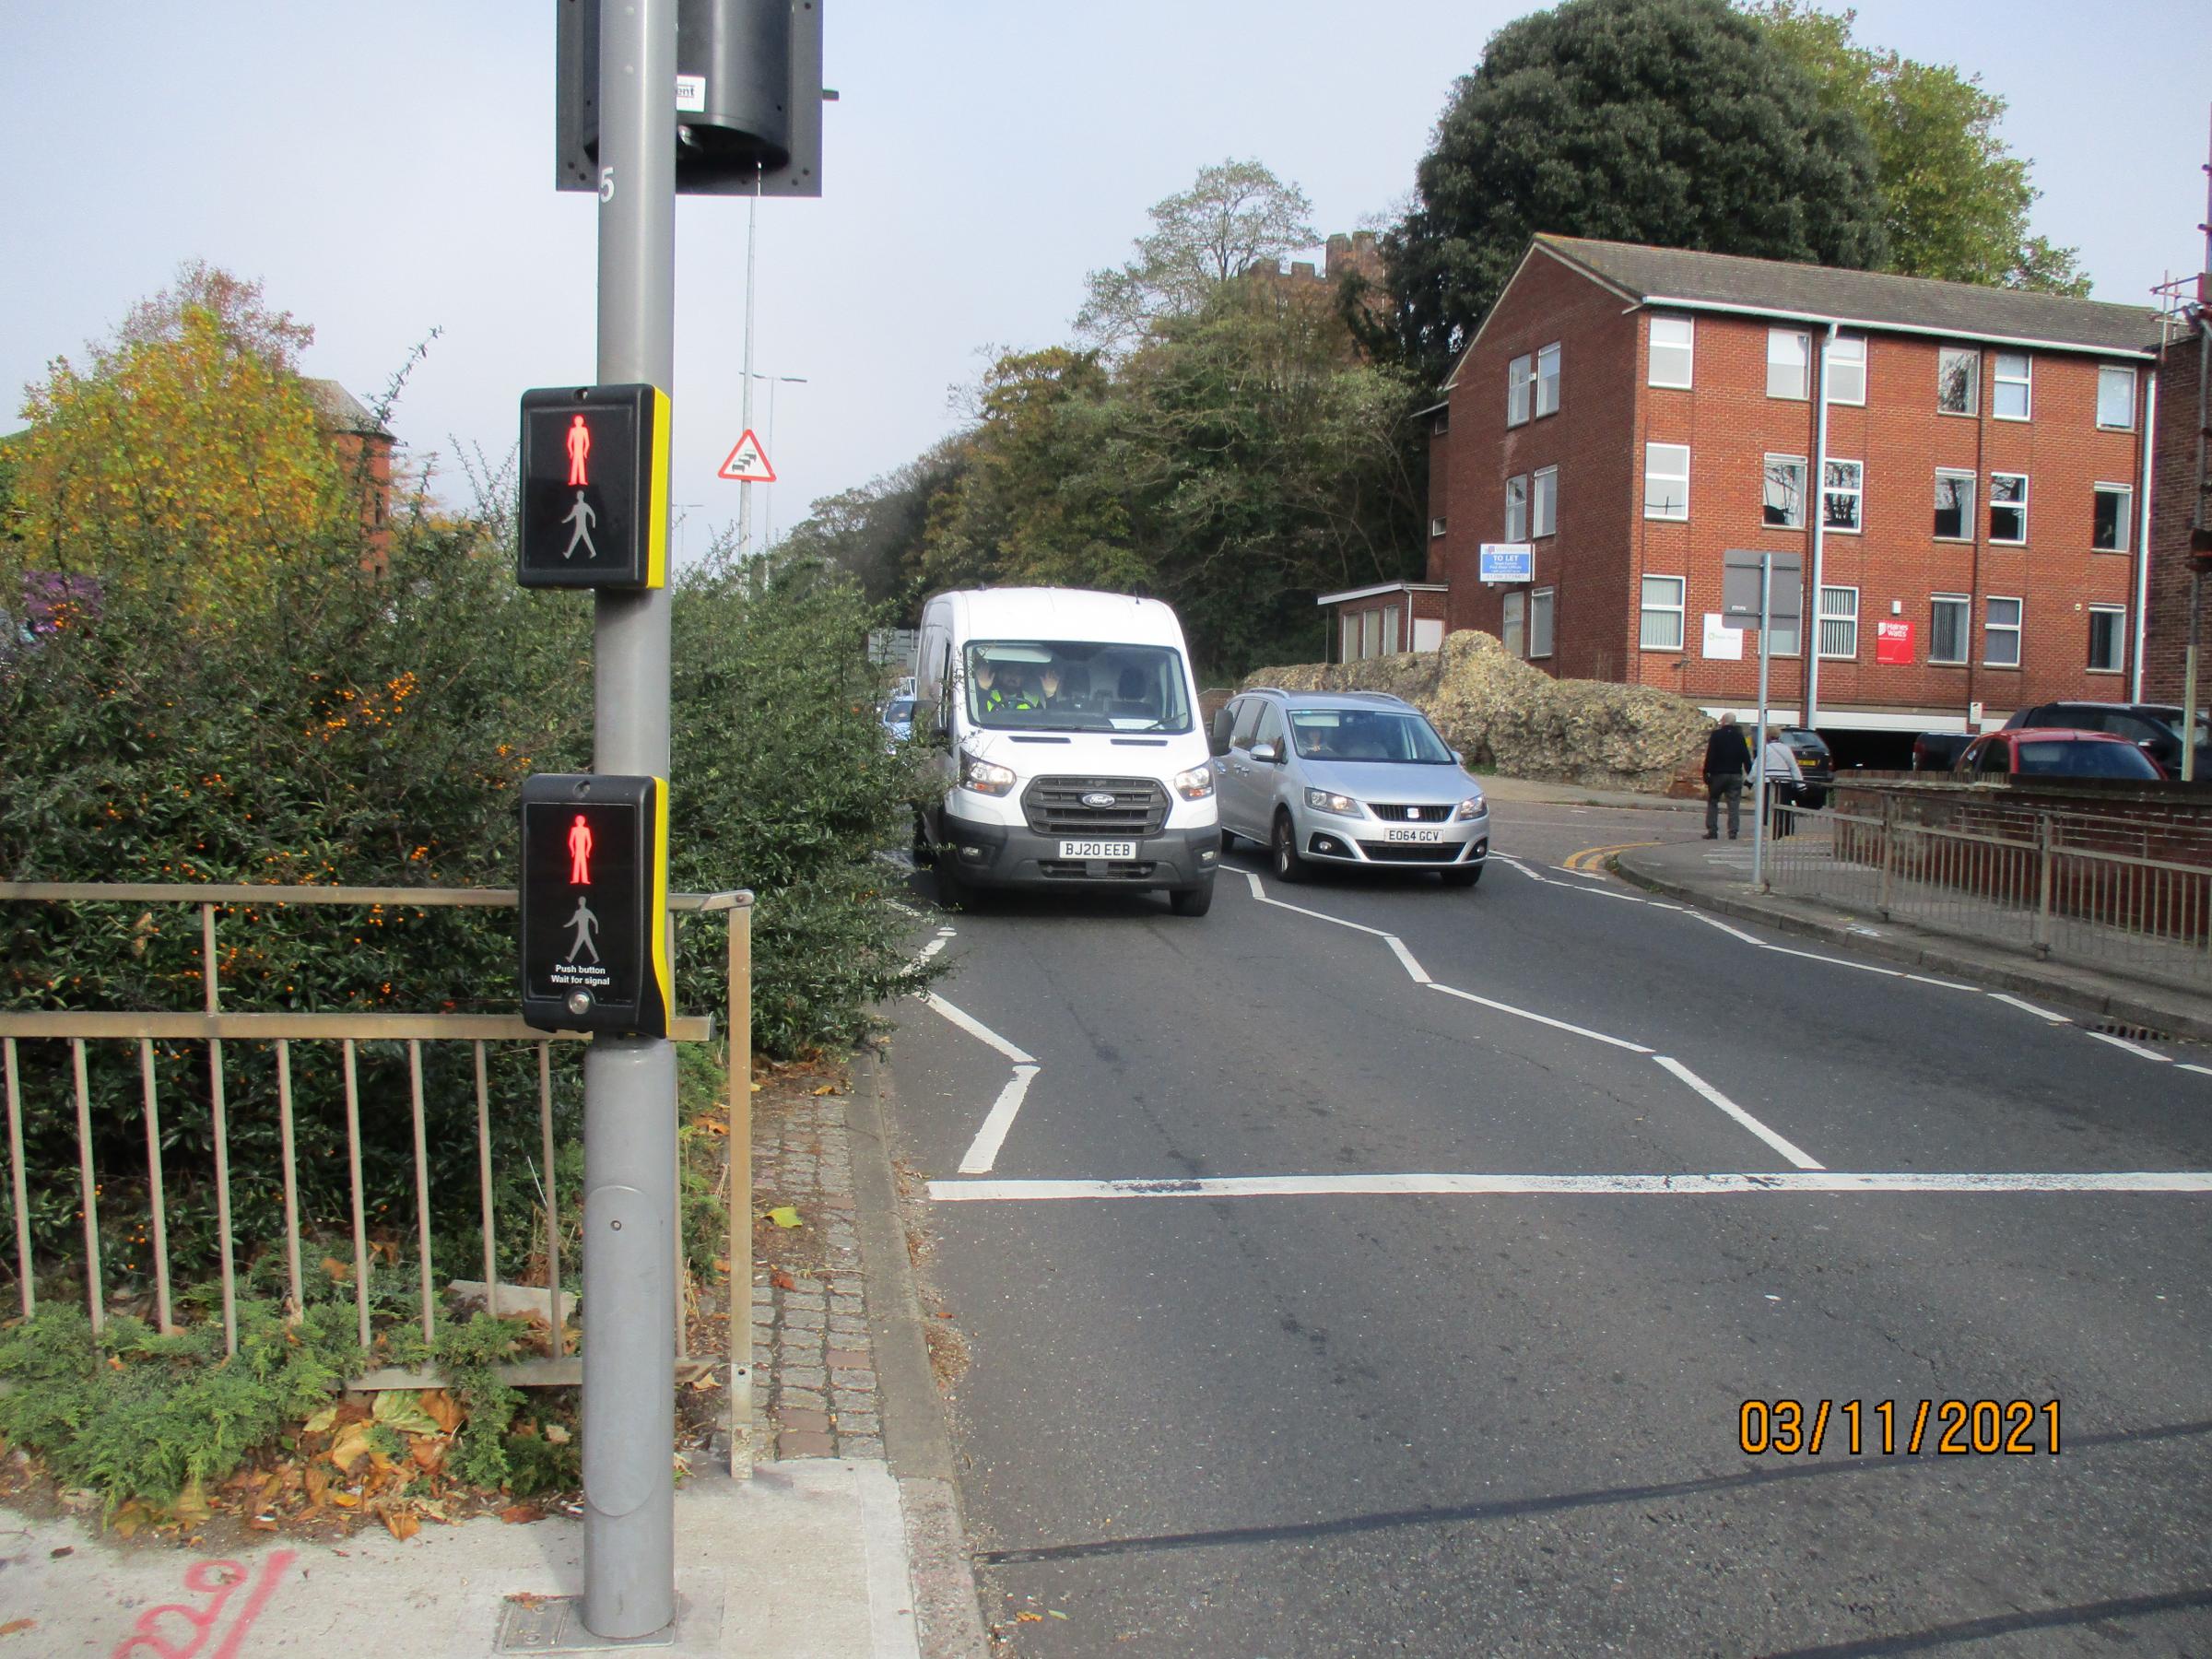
(1302, 270)
(1339, 250)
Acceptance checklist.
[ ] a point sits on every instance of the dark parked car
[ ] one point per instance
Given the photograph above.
(2156, 728)
(2054, 752)
(1816, 766)
(1936, 751)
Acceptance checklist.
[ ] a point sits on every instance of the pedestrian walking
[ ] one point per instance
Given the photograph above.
(1778, 777)
(1727, 761)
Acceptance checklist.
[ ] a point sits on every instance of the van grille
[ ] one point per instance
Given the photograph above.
(1055, 807)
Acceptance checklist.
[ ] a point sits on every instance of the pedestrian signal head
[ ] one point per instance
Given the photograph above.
(593, 895)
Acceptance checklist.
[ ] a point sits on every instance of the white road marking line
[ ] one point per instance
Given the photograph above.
(1944, 984)
(2028, 1007)
(2133, 1048)
(1585, 874)
(1323, 916)
(1257, 890)
(1559, 1025)
(1406, 960)
(1788, 1148)
(2202, 1071)
(931, 948)
(1689, 1186)
(1736, 932)
(978, 1029)
(1814, 956)
(982, 1152)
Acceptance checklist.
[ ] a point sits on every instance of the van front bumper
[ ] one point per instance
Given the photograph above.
(1012, 855)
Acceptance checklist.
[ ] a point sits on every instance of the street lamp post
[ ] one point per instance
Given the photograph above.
(683, 515)
(768, 533)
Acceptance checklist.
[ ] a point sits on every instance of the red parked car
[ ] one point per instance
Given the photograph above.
(2054, 752)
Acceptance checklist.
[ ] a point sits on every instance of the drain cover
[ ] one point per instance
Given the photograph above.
(2133, 1033)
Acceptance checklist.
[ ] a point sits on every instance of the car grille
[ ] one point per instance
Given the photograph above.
(1055, 807)
(1410, 852)
(1410, 814)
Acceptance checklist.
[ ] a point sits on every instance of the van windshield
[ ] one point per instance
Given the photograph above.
(1076, 685)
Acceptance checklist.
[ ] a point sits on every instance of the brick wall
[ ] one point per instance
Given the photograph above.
(2171, 499)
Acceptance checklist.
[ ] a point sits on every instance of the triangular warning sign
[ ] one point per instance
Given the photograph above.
(748, 463)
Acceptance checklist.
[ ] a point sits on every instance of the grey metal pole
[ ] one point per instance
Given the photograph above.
(1759, 738)
(2189, 703)
(629, 1082)
(745, 491)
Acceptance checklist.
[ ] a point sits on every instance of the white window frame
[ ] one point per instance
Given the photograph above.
(2119, 616)
(1348, 628)
(1840, 620)
(2008, 541)
(1804, 365)
(1541, 604)
(1543, 502)
(1973, 383)
(1854, 367)
(1856, 491)
(2126, 492)
(1968, 524)
(2108, 371)
(2024, 379)
(1766, 483)
(1390, 618)
(1965, 607)
(1991, 628)
(1650, 473)
(1520, 389)
(1647, 610)
(1370, 634)
(1687, 346)
(1512, 623)
(1436, 528)
(1548, 357)
(1516, 508)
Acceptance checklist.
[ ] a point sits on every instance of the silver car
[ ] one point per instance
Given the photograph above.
(1347, 777)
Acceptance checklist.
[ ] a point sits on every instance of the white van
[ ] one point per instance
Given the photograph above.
(1066, 724)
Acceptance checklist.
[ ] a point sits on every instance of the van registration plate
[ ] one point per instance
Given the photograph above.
(1413, 835)
(1097, 849)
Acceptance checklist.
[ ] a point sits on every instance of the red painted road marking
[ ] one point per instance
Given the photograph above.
(219, 1580)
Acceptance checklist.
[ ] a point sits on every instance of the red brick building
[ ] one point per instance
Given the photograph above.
(2174, 493)
(364, 449)
(1963, 467)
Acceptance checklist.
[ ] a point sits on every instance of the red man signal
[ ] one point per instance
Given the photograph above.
(580, 852)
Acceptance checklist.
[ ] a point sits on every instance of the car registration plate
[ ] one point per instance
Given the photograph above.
(1097, 849)
(1413, 835)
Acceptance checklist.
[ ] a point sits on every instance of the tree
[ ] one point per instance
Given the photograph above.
(188, 443)
(1955, 200)
(874, 533)
(1235, 213)
(1676, 121)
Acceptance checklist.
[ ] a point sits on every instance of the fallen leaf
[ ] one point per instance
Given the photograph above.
(321, 1422)
(401, 1523)
(340, 1272)
(16, 1625)
(785, 1216)
(1028, 1618)
(1054, 1613)
(345, 1500)
(67, 1549)
(401, 1408)
(192, 1506)
(517, 1514)
(832, 1087)
(428, 1454)
(711, 1127)
(527, 1598)
(722, 1263)
(317, 1482)
(705, 1382)
(782, 1280)
(557, 1434)
(441, 1406)
(262, 1523)
(131, 1519)
(350, 1447)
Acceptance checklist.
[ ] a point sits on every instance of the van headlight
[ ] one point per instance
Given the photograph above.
(1194, 784)
(1474, 806)
(985, 777)
(1324, 800)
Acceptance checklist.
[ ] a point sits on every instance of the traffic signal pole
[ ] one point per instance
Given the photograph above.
(630, 1212)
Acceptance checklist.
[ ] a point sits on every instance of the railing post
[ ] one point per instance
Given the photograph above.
(741, 1187)
(1888, 852)
(2042, 903)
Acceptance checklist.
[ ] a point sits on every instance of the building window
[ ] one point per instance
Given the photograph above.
(1672, 340)
(1390, 631)
(1548, 380)
(2108, 521)
(1442, 424)
(2001, 633)
(1516, 508)
(1842, 487)
(1436, 528)
(1788, 355)
(2107, 638)
(1947, 628)
(1847, 369)
(1510, 631)
(1348, 628)
(2011, 399)
(2116, 397)
(1539, 623)
(1666, 480)
(1370, 634)
(2009, 507)
(1520, 376)
(1662, 629)
(1786, 492)
(1840, 622)
(1957, 381)
(1954, 505)
(1544, 503)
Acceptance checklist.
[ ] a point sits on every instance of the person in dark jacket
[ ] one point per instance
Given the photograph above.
(1727, 759)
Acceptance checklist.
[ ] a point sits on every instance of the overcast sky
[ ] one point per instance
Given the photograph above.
(387, 169)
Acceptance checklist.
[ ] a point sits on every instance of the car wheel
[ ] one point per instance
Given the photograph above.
(1290, 866)
(1191, 901)
(1462, 875)
(1229, 837)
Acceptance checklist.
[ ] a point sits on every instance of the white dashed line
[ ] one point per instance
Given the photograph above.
(2133, 1048)
(1558, 1025)
(1788, 1148)
(984, 1151)
(2183, 1181)
(978, 1029)
(1814, 956)
(2028, 1007)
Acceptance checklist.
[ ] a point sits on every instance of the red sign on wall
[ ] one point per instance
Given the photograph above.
(1893, 643)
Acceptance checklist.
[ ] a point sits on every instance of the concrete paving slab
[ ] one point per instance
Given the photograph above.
(805, 1561)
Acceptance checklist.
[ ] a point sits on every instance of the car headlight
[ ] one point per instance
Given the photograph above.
(1194, 784)
(983, 776)
(1474, 806)
(1324, 800)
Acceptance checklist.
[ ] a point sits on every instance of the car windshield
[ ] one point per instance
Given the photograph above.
(2069, 758)
(900, 708)
(1387, 735)
(1075, 685)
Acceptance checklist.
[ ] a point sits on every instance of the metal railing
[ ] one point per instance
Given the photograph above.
(2130, 895)
(349, 1030)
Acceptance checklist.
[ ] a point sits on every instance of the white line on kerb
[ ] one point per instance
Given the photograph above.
(978, 1029)
(2133, 1048)
(1814, 956)
(984, 1151)
(1788, 1148)
(1678, 1186)
(2030, 1007)
(1559, 1025)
